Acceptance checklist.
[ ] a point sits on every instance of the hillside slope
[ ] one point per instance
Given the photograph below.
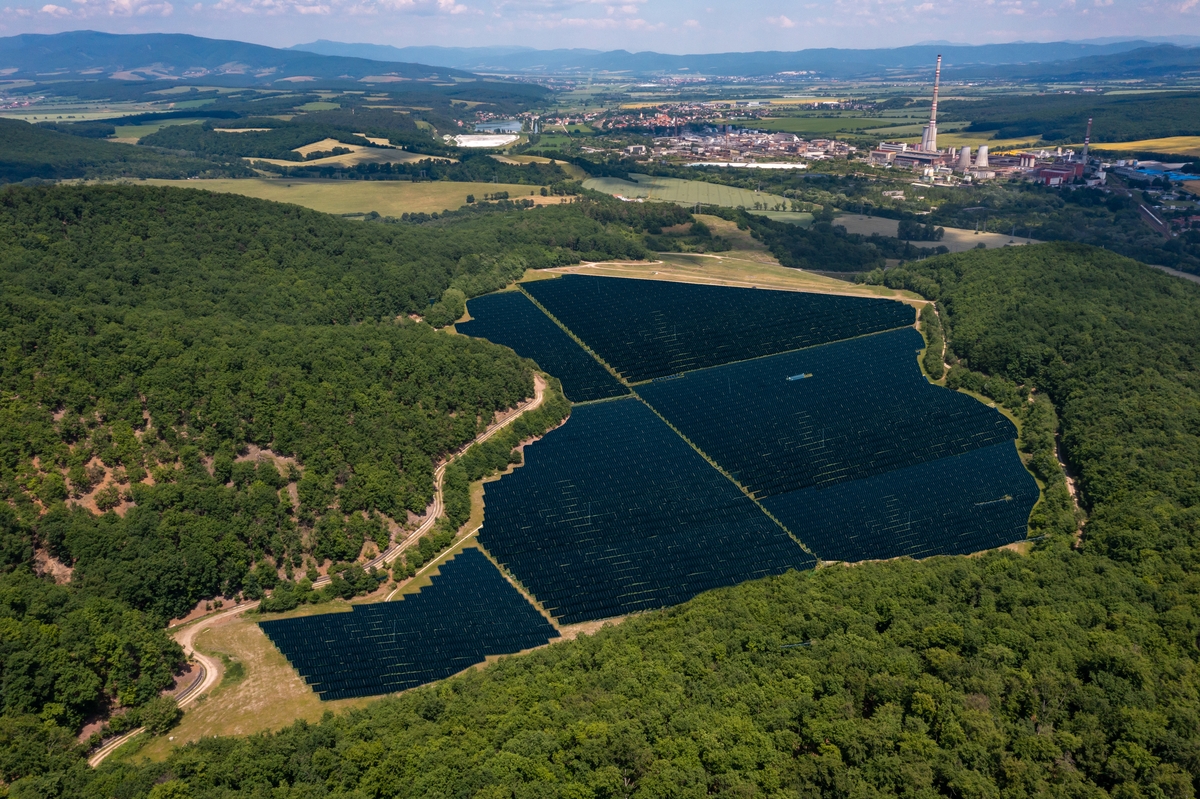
(1069, 671)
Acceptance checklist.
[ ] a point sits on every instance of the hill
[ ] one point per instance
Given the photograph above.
(206, 395)
(31, 151)
(157, 56)
(829, 61)
(1067, 671)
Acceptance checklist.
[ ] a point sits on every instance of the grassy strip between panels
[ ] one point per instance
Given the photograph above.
(614, 513)
(468, 612)
(647, 329)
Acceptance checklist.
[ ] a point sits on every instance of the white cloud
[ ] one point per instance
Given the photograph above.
(56, 11)
(781, 22)
(691, 24)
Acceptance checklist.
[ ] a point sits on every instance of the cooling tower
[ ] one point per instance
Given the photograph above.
(964, 158)
(981, 158)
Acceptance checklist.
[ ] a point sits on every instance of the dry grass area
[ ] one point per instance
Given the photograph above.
(956, 239)
(358, 154)
(744, 268)
(387, 197)
(271, 695)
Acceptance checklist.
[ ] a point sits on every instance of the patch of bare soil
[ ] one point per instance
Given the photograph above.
(45, 564)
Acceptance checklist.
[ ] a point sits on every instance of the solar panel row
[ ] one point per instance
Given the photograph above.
(468, 612)
(511, 319)
(863, 409)
(614, 513)
(951, 506)
(646, 329)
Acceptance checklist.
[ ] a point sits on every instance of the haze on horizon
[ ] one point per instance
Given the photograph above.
(668, 26)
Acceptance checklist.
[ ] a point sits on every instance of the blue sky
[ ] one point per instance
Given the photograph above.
(675, 26)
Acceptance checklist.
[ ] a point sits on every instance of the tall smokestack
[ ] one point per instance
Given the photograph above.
(929, 135)
(1087, 140)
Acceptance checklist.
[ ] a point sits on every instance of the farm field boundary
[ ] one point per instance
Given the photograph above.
(339, 197)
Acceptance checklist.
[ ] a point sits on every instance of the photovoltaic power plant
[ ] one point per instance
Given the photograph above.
(647, 329)
(855, 409)
(469, 612)
(952, 506)
(511, 319)
(613, 513)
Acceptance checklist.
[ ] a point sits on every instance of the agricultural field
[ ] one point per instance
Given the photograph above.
(358, 154)
(1181, 145)
(351, 197)
(955, 239)
(686, 192)
(132, 134)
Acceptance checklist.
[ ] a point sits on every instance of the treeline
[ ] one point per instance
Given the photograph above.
(1068, 671)
(471, 168)
(1088, 216)
(238, 389)
(825, 246)
(41, 153)
(1063, 117)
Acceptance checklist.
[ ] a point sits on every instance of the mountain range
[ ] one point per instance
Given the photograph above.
(826, 62)
(158, 56)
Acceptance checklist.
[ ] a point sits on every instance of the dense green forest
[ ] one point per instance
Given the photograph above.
(1063, 117)
(33, 151)
(1069, 671)
(154, 342)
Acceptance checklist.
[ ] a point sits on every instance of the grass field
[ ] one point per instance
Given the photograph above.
(572, 170)
(270, 695)
(799, 218)
(822, 125)
(358, 155)
(133, 133)
(685, 192)
(1183, 145)
(387, 197)
(956, 239)
(735, 268)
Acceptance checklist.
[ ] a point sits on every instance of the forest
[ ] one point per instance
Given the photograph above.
(42, 153)
(1068, 670)
(1063, 117)
(155, 341)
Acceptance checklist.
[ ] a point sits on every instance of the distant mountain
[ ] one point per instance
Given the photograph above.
(1159, 61)
(156, 56)
(828, 62)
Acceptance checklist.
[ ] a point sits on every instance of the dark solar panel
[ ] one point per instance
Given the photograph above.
(952, 506)
(647, 329)
(614, 513)
(509, 318)
(825, 415)
(469, 612)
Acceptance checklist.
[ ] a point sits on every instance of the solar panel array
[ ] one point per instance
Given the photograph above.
(469, 612)
(509, 318)
(825, 415)
(952, 506)
(614, 513)
(647, 329)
